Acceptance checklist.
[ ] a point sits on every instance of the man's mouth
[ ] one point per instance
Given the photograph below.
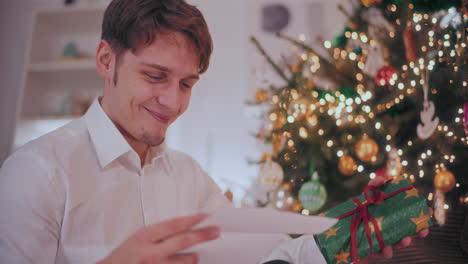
(159, 117)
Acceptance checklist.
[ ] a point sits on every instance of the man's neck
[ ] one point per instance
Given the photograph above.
(139, 147)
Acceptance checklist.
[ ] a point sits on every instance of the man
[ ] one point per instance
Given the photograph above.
(105, 188)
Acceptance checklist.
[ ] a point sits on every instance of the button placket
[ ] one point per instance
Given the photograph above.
(147, 196)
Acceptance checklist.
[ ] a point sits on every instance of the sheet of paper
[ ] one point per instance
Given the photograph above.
(249, 234)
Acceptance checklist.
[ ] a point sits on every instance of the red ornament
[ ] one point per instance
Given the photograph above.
(410, 45)
(384, 75)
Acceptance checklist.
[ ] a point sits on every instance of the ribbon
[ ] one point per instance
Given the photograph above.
(362, 214)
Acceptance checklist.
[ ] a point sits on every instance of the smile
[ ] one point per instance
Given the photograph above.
(159, 117)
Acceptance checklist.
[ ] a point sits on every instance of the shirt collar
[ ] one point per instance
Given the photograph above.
(107, 139)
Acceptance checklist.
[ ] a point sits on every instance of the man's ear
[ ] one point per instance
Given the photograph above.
(105, 60)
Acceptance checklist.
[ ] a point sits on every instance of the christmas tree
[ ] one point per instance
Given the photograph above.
(388, 96)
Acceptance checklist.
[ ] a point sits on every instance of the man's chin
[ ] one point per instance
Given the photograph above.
(153, 141)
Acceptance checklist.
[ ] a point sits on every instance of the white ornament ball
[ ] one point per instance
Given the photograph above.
(270, 175)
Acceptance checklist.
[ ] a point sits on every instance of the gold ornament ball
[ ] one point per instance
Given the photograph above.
(282, 200)
(286, 186)
(369, 3)
(366, 149)
(444, 181)
(346, 165)
(261, 96)
(353, 26)
(294, 68)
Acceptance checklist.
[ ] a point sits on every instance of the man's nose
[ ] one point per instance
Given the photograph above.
(168, 96)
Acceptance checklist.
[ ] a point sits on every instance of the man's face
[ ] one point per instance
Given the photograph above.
(151, 87)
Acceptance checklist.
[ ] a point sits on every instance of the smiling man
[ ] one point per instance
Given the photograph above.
(105, 187)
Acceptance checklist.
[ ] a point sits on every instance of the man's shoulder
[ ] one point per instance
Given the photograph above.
(177, 154)
(182, 159)
(52, 144)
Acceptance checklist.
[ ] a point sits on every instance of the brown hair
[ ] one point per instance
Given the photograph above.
(129, 24)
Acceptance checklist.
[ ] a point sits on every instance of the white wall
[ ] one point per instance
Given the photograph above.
(216, 128)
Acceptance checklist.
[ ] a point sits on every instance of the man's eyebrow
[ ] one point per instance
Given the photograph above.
(162, 68)
(156, 66)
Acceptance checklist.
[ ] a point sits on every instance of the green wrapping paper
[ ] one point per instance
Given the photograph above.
(398, 216)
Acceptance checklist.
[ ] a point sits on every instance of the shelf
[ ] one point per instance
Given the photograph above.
(52, 82)
(29, 129)
(79, 65)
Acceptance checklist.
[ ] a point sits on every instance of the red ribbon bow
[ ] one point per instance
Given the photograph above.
(360, 213)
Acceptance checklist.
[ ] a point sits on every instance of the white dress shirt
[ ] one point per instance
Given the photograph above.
(75, 194)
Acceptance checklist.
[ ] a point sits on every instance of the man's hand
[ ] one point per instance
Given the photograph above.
(160, 243)
(387, 252)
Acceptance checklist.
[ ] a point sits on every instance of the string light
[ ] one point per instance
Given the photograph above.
(302, 37)
(303, 132)
(364, 38)
(342, 109)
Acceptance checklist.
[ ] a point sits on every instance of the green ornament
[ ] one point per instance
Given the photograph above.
(311, 168)
(341, 40)
(348, 92)
(312, 194)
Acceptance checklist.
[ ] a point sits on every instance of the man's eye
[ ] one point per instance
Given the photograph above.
(154, 77)
(187, 85)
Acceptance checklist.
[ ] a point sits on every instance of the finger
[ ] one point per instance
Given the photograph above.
(160, 231)
(406, 241)
(186, 258)
(377, 181)
(185, 240)
(387, 252)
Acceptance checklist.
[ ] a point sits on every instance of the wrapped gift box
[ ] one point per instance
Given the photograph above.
(379, 216)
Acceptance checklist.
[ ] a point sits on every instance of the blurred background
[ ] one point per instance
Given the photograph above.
(42, 90)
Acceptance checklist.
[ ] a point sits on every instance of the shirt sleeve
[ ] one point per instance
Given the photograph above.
(302, 250)
(211, 196)
(29, 215)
